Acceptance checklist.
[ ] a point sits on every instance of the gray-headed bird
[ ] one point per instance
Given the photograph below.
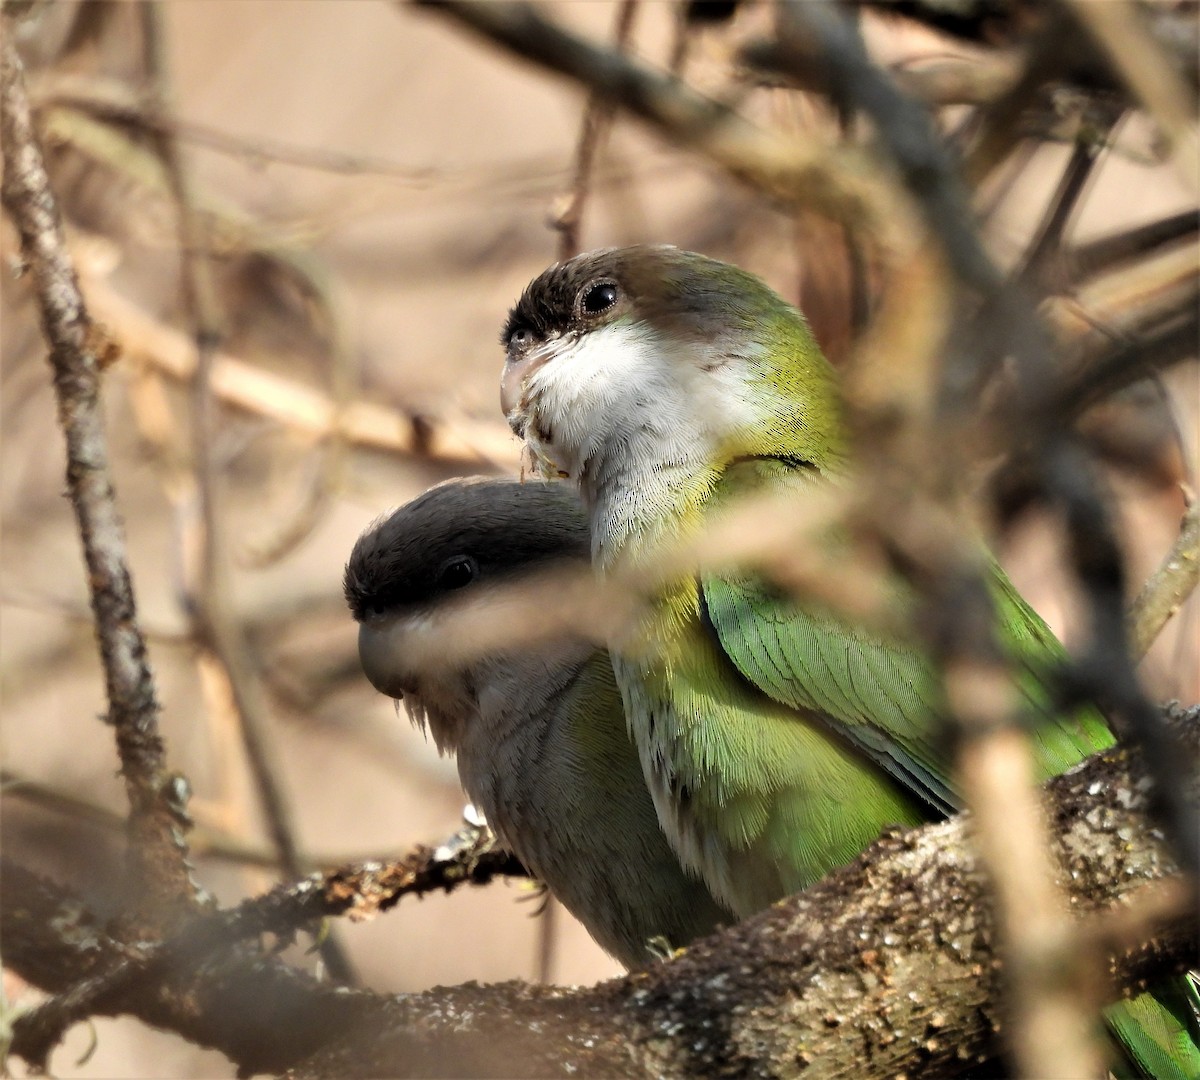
(537, 730)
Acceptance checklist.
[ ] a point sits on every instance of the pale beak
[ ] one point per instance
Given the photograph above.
(512, 383)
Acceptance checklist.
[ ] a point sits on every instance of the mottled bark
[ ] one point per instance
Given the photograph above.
(886, 967)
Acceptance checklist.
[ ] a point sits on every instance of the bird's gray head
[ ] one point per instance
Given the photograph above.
(443, 547)
(656, 353)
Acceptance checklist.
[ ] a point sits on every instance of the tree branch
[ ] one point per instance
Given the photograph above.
(109, 971)
(1169, 586)
(300, 407)
(887, 966)
(840, 181)
(78, 355)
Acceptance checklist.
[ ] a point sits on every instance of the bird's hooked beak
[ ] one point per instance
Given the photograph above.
(377, 651)
(512, 386)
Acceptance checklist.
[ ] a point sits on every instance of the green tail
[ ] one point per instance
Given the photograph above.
(1159, 1032)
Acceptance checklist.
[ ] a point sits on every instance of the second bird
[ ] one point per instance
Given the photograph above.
(538, 730)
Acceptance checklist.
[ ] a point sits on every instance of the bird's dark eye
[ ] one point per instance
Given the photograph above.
(519, 337)
(457, 571)
(598, 298)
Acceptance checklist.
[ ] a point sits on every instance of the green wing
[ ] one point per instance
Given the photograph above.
(1059, 741)
(882, 695)
(1159, 1031)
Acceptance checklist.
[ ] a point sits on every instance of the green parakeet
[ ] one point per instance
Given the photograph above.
(538, 732)
(778, 738)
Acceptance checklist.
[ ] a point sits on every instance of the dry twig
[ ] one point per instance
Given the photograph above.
(593, 133)
(209, 599)
(1169, 586)
(1119, 29)
(301, 408)
(78, 354)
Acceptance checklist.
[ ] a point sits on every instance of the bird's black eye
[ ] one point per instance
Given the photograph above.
(598, 298)
(520, 337)
(457, 571)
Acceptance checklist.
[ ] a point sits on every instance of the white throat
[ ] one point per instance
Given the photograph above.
(635, 419)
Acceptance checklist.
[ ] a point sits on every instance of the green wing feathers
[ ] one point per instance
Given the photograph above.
(1159, 1031)
(883, 696)
(1059, 741)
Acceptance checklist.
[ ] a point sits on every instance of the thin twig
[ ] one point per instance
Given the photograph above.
(470, 857)
(1000, 121)
(78, 353)
(295, 405)
(113, 103)
(205, 842)
(1159, 346)
(1112, 251)
(1169, 586)
(1118, 307)
(841, 181)
(593, 133)
(1118, 28)
(1044, 258)
(215, 625)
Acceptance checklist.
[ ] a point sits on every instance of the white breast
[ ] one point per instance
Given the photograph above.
(634, 419)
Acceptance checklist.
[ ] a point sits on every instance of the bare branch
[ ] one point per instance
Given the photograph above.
(593, 133)
(204, 842)
(1118, 28)
(887, 966)
(301, 408)
(471, 856)
(1123, 247)
(60, 92)
(959, 80)
(258, 1011)
(1169, 586)
(78, 354)
(209, 599)
(840, 181)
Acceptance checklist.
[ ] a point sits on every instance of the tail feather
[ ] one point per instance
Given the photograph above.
(1159, 1032)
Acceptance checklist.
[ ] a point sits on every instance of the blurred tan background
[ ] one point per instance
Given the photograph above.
(377, 266)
